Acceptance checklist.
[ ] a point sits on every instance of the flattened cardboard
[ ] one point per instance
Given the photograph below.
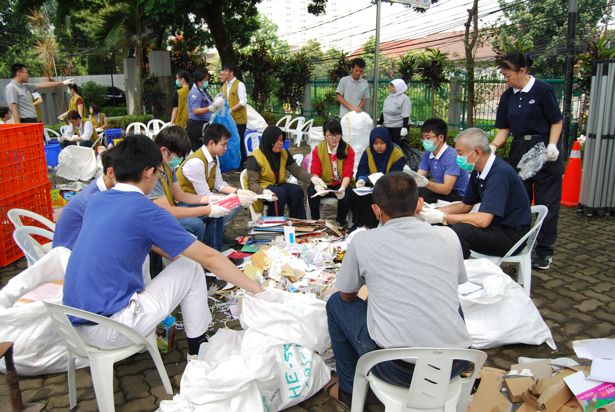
(540, 369)
(488, 397)
(517, 386)
(554, 392)
(571, 406)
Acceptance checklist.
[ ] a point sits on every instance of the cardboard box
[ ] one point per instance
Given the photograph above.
(539, 369)
(517, 386)
(488, 397)
(571, 406)
(165, 334)
(554, 392)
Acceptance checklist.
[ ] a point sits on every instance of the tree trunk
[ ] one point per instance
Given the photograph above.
(138, 87)
(470, 41)
(219, 34)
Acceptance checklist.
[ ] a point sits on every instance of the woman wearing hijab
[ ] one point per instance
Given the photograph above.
(268, 168)
(382, 156)
(396, 112)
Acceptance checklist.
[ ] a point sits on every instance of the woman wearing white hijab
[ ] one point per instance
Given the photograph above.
(396, 112)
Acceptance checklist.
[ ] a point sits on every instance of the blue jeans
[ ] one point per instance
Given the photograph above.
(232, 214)
(195, 226)
(213, 228)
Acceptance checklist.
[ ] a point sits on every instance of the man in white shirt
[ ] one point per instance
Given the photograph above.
(81, 131)
(352, 90)
(234, 91)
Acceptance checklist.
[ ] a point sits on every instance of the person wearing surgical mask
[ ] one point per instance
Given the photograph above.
(448, 182)
(179, 115)
(396, 113)
(503, 216)
(200, 107)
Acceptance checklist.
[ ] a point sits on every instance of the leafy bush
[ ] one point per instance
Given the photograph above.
(93, 93)
(111, 111)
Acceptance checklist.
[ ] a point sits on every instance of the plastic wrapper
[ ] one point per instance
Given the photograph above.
(532, 161)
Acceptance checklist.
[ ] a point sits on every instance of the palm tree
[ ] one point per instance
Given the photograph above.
(432, 66)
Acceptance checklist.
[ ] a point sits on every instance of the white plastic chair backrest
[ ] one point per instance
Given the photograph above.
(32, 249)
(50, 134)
(15, 216)
(307, 126)
(137, 128)
(73, 341)
(530, 236)
(432, 372)
(298, 158)
(66, 130)
(154, 126)
(167, 124)
(299, 120)
(252, 141)
(243, 179)
(283, 122)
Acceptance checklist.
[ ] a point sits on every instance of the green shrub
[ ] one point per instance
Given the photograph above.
(112, 111)
(93, 93)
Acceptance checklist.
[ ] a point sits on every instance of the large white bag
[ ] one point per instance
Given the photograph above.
(356, 128)
(38, 348)
(77, 163)
(255, 120)
(501, 314)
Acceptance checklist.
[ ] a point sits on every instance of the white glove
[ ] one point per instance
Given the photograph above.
(432, 216)
(340, 194)
(421, 181)
(246, 197)
(403, 132)
(270, 195)
(494, 148)
(215, 198)
(68, 81)
(75, 138)
(62, 116)
(100, 129)
(218, 102)
(218, 211)
(317, 181)
(360, 183)
(552, 152)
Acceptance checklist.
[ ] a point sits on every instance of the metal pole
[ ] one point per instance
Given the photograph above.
(376, 66)
(570, 55)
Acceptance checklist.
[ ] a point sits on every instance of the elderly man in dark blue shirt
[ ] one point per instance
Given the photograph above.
(504, 214)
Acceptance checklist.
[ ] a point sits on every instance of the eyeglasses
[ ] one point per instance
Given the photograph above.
(160, 172)
(333, 136)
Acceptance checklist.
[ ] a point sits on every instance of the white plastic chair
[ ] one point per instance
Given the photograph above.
(298, 125)
(252, 141)
(304, 131)
(15, 216)
(254, 215)
(283, 123)
(524, 258)
(50, 134)
(137, 128)
(154, 126)
(298, 159)
(66, 130)
(101, 360)
(31, 248)
(431, 389)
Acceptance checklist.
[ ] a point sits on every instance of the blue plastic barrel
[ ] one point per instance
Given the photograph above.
(52, 151)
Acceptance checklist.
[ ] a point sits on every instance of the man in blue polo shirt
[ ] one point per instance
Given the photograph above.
(69, 224)
(504, 213)
(449, 181)
(110, 283)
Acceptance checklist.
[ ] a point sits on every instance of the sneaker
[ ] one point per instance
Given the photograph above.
(543, 262)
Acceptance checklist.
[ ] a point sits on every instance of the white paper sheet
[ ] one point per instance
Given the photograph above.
(362, 191)
(594, 348)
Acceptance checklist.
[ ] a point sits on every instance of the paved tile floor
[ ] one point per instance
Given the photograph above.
(575, 297)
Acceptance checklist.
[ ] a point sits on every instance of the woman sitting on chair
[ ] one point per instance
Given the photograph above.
(333, 161)
(382, 156)
(267, 174)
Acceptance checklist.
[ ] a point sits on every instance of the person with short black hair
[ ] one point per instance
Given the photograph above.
(234, 90)
(333, 162)
(413, 300)
(353, 91)
(5, 114)
(200, 107)
(449, 181)
(81, 131)
(18, 94)
(110, 283)
(529, 111)
(179, 115)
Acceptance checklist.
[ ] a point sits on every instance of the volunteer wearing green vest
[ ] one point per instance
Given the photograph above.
(200, 174)
(179, 116)
(82, 131)
(333, 161)
(382, 156)
(76, 101)
(98, 119)
(234, 91)
(174, 144)
(267, 174)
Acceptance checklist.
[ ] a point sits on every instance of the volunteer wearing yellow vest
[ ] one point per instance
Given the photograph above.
(174, 144)
(267, 174)
(82, 131)
(179, 116)
(333, 161)
(382, 156)
(200, 173)
(234, 91)
(76, 101)
(98, 119)
(200, 107)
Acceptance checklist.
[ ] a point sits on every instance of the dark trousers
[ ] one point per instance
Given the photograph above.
(397, 139)
(432, 197)
(288, 194)
(84, 144)
(343, 204)
(241, 129)
(492, 240)
(194, 128)
(362, 212)
(545, 188)
(29, 120)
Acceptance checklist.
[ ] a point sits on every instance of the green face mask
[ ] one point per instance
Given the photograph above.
(177, 83)
(462, 162)
(205, 84)
(429, 145)
(175, 162)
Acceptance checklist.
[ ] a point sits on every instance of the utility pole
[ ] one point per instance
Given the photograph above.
(376, 66)
(570, 57)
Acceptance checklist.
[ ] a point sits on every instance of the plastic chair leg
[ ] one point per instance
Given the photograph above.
(153, 350)
(525, 273)
(102, 378)
(359, 393)
(72, 385)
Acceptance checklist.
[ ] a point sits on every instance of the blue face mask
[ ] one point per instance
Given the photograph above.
(177, 83)
(205, 84)
(462, 162)
(429, 145)
(175, 162)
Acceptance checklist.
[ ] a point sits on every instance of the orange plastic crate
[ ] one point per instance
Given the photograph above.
(36, 199)
(22, 158)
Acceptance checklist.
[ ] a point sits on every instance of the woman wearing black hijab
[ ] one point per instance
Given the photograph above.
(268, 168)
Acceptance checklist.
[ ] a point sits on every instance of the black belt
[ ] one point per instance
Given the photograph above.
(28, 120)
(528, 137)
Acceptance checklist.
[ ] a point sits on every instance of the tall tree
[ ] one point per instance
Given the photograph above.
(470, 42)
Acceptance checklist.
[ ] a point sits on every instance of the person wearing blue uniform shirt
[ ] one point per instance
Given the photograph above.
(449, 181)
(110, 282)
(200, 107)
(504, 214)
(529, 111)
(71, 218)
